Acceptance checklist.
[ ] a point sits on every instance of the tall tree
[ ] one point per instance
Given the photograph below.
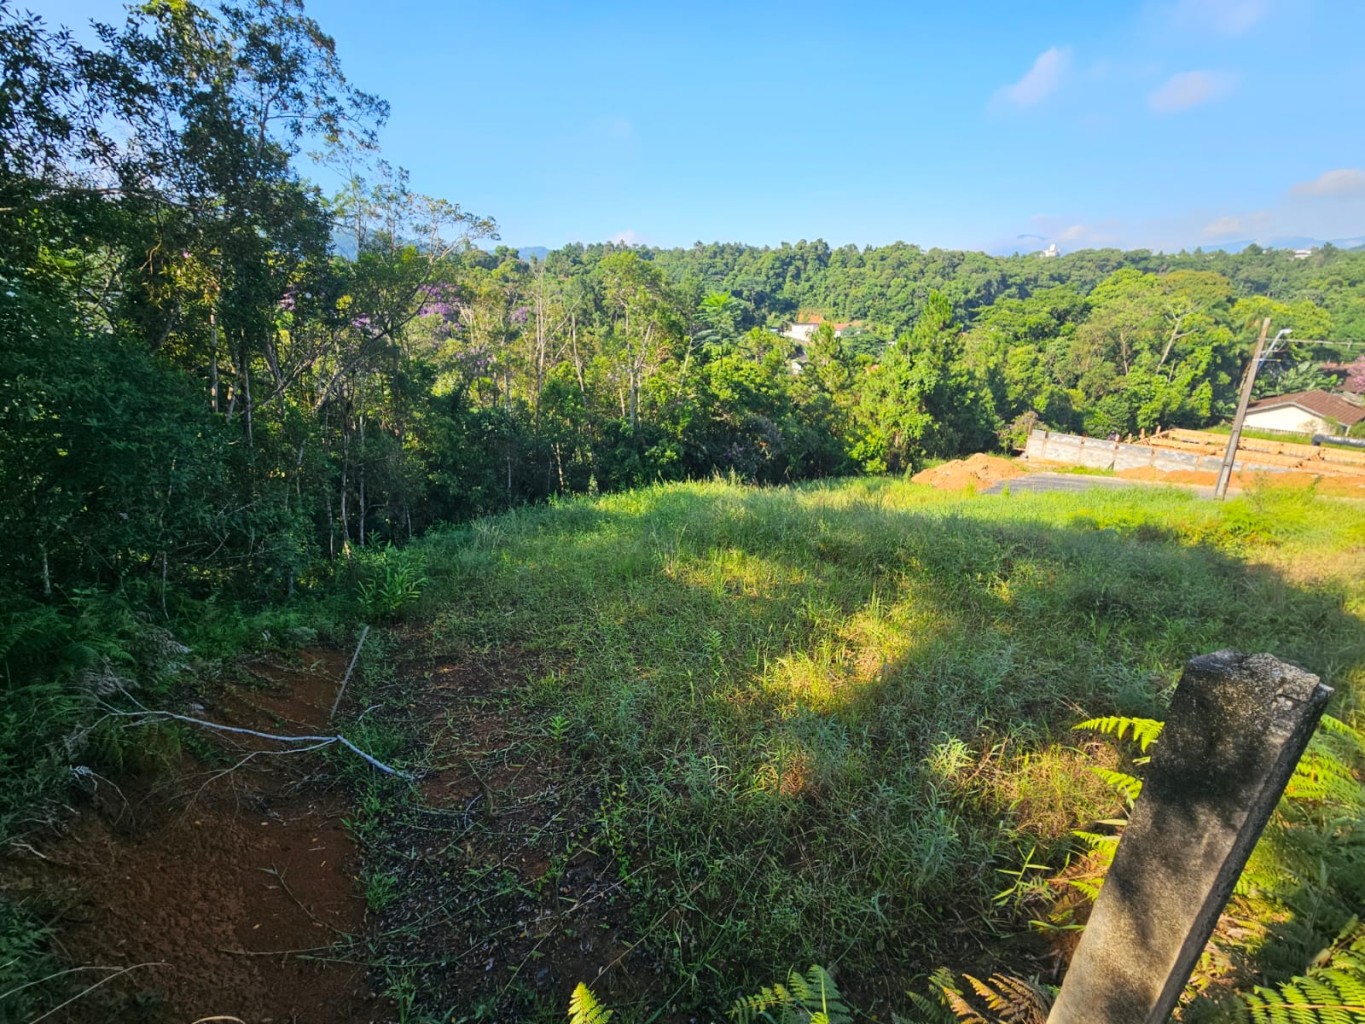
(923, 401)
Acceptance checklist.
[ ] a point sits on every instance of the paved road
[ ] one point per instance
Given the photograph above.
(1081, 482)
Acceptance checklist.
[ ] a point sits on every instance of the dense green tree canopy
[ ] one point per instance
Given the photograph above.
(215, 377)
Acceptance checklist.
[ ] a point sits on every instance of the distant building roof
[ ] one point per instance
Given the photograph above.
(1319, 403)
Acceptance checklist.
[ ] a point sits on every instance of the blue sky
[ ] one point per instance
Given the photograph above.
(1162, 123)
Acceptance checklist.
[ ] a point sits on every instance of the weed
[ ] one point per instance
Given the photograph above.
(391, 581)
(1029, 881)
(24, 964)
(557, 728)
(366, 819)
(402, 989)
(381, 889)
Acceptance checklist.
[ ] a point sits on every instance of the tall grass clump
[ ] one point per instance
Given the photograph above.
(823, 724)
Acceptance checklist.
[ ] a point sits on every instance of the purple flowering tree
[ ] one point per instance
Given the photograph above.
(1355, 377)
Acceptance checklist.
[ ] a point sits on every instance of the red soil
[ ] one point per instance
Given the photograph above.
(977, 472)
(222, 883)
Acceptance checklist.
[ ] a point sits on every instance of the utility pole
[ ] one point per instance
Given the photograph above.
(1230, 456)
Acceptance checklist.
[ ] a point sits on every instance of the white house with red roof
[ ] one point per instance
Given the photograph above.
(1305, 412)
(804, 330)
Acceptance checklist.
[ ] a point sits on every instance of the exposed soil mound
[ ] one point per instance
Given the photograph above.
(978, 471)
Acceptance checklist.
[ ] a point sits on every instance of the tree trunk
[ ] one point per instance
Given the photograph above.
(361, 474)
(331, 531)
(1170, 342)
(345, 467)
(213, 364)
(577, 359)
(246, 397)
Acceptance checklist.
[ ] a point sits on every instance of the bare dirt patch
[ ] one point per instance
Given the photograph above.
(978, 471)
(230, 883)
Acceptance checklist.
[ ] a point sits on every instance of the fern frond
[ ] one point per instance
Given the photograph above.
(585, 1009)
(810, 998)
(1127, 786)
(950, 995)
(18, 630)
(801, 991)
(1096, 841)
(1142, 730)
(1306, 856)
(1088, 887)
(832, 1003)
(928, 1011)
(748, 1009)
(1332, 991)
(1336, 727)
(1328, 771)
(1323, 777)
(1012, 1000)
(962, 1009)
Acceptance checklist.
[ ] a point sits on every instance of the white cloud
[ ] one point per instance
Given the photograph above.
(1189, 89)
(1225, 17)
(626, 237)
(1279, 224)
(1077, 234)
(1257, 225)
(1344, 181)
(1224, 227)
(1041, 81)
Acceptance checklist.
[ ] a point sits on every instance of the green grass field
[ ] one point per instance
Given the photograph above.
(829, 724)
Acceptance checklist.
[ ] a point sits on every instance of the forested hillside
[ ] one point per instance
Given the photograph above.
(229, 396)
(888, 285)
(201, 393)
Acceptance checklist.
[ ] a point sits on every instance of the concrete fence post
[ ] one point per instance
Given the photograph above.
(1236, 728)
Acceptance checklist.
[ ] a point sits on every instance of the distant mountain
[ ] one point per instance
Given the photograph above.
(344, 242)
(344, 245)
(1289, 242)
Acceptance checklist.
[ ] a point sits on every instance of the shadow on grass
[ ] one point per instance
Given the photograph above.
(818, 722)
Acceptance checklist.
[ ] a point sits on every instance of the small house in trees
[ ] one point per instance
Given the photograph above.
(1305, 412)
(804, 330)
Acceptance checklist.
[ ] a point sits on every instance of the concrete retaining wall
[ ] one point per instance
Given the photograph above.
(1097, 453)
